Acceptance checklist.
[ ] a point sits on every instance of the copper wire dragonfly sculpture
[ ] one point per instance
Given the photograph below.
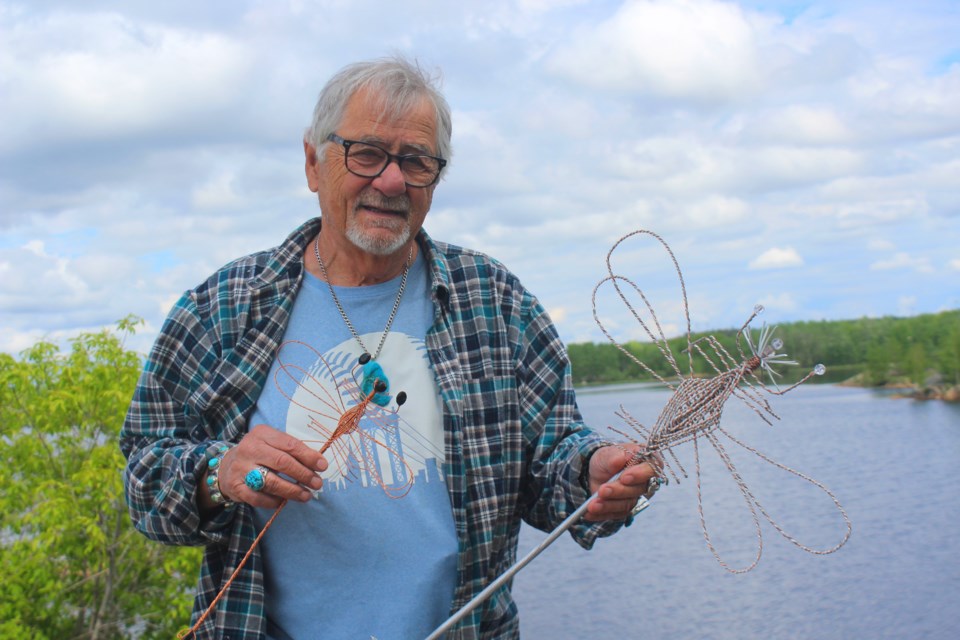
(353, 449)
(360, 434)
(692, 415)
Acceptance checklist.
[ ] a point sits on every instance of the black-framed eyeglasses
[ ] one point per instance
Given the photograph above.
(369, 161)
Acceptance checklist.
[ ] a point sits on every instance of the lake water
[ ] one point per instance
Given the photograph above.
(893, 463)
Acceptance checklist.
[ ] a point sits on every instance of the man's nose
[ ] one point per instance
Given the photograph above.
(391, 182)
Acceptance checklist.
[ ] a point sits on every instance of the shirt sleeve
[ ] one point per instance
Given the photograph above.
(559, 443)
(165, 437)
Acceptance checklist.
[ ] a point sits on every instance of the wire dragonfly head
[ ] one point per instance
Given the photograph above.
(374, 381)
(766, 353)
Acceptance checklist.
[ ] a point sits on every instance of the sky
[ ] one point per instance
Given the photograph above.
(800, 155)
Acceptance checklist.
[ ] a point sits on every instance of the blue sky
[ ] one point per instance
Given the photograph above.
(801, 155)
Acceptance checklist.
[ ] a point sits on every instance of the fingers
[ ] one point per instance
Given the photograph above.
(607, 461)
(286, 454)
(615, 499)
(291, 468)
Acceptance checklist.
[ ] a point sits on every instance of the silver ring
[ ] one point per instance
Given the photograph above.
(654, 485)
(256, 478)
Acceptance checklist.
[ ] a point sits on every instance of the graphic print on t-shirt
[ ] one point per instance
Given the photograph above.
(390, 447)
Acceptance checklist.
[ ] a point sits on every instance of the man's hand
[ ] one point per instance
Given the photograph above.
(277, 451)
(616, 499)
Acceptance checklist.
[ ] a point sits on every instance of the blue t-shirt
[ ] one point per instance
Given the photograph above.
(375, 553)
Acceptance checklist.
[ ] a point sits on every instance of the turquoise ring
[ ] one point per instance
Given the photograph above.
(256, 478)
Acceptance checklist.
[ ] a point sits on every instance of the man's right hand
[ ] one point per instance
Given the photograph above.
(279, 453)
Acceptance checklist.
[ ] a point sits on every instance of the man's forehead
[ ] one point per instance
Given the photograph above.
(373, 118)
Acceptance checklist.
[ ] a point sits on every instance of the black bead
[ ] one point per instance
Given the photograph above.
(401, 398)
(364, 358)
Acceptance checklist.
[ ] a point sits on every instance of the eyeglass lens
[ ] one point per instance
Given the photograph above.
(369, 161)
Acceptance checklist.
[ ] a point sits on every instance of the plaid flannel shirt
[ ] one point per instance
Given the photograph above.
(515, 443)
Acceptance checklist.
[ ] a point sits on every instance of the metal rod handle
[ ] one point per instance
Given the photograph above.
(572, 519)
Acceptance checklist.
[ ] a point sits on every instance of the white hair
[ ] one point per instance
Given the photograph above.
(400, 86)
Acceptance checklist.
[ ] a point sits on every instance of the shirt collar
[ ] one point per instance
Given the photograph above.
(286, 260)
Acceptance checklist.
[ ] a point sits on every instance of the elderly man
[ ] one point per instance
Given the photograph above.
(280, 380)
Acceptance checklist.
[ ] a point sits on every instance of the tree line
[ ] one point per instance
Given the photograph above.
(919, 351)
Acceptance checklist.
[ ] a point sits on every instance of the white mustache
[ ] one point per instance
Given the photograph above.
(399, 204)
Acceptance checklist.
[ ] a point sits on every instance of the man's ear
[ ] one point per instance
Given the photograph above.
(311, 166)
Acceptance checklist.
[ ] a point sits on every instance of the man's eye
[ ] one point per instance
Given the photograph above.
(367, 156)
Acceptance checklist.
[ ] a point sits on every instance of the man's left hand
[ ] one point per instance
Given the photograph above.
(616, 499)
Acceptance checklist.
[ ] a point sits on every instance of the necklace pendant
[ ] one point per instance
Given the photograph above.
(372, 375)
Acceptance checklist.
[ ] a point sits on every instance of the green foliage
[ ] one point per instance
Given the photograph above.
(949, 361)
(877, 366)
(882, 350)
(73, 565)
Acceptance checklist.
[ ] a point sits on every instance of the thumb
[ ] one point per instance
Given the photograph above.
(605, 463)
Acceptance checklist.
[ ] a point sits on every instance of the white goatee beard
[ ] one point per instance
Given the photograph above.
(376, 244)
(399, 226)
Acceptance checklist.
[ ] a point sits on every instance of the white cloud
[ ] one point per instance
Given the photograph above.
(777, 258)
(779, 304)
(903, 260)
(685, 165)
(717, 211)
(794, 166)
(931, 102)
(539, 6)
(684, 49)
(41, 281)
(557, 314)
(801, 124)
(218, 193)
(906, 305)
(879, 244)
(85, 76)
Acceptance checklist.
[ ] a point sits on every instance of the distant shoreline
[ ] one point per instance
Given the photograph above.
(947, 393)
